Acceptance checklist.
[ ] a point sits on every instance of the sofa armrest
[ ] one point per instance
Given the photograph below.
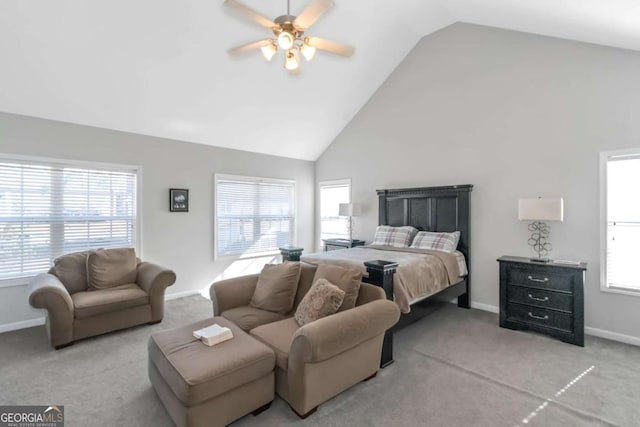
(332, 335)
(231, 293)
(46, 291)
(154, 279)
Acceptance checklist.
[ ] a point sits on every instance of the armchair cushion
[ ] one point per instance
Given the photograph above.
(71, 269)
(323, 299)
(278, 336)
(247, 317)
(347, 279)
(107, 268)
(92, 303)
(276, 287)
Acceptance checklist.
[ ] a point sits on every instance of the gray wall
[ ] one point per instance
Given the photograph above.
(515, 114)
(181, 241)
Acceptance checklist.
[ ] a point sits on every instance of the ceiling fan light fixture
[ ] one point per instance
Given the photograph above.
(269, 51)
(307, 51)
(291, 61)
(285, 40)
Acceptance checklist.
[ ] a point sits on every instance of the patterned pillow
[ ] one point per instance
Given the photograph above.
(322, 300)
(398, 237)
(444, 242)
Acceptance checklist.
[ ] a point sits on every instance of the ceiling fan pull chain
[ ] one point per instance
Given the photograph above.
(288, 13)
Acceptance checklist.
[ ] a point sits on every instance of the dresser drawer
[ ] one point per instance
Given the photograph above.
(540, 316)
(541, 278)
(540, 298)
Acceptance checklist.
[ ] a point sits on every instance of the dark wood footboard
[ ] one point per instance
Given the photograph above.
(380, 273)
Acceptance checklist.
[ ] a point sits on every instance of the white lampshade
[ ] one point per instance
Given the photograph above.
(541, 209)
(345, 209)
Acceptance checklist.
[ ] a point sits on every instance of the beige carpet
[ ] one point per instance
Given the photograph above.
(453, 368)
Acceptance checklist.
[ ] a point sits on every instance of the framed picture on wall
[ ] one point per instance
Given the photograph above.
(178, 200)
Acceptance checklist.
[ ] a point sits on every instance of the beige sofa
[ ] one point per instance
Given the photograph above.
(320, 359)
(94, 292)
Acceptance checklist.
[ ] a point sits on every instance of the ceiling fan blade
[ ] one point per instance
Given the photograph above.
(312, 13)
(249, 46)
(250, 14)
(329, 46)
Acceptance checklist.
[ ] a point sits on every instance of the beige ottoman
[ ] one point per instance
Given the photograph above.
(210, 386)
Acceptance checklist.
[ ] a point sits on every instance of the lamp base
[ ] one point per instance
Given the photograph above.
(540, 260)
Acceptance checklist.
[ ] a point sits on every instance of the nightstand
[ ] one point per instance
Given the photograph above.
(543, 297)
(333, 244)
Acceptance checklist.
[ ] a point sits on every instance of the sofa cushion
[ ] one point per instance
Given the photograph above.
(323, 299)
(107, 268)
(278, 336)
(197, 373)
(276, 287)
(91, 303)
(307, 271)
(71, 269)
(347, 279)
(248, 317)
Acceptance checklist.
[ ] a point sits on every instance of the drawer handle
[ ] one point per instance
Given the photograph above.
(545, 299)
(533, 279)
(533, 316)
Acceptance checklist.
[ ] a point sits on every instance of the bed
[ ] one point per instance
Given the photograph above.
(438, 209)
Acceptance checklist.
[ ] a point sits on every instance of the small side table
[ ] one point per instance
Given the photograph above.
(334, 244)
(290, 253)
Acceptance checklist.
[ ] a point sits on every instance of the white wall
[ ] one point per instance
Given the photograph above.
(516, 115)
(180, 241)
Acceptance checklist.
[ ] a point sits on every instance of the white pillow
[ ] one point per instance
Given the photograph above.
(398, 237)
(443, 242)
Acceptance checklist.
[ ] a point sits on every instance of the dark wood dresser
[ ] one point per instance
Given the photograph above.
(543, 297)
(334, 244)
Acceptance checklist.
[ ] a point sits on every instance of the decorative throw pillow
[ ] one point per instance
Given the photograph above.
(323, 299)
(347, 279)
(276, 287)
(444, 242)
(398, 237)
(71, 269)
(107, 268)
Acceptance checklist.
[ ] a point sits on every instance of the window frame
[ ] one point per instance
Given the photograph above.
(247, 178)
(327, 183)
(89, 165)
(605, 157)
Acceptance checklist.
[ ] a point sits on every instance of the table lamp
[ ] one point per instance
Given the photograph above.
(346, 209)
(538, 210)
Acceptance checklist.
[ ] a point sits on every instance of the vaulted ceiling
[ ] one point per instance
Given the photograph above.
(160, 67)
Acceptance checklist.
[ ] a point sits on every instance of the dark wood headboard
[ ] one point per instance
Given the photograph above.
(429, 209)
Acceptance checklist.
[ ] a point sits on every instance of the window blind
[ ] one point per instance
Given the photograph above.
(623, 222)
(49, 209)
(253, 215)
(333, 226)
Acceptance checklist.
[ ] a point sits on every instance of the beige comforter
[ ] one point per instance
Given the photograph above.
(420, 273)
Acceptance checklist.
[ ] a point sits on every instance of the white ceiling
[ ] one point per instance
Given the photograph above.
(160, 67)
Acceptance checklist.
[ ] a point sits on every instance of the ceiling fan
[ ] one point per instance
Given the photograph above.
(289, 34)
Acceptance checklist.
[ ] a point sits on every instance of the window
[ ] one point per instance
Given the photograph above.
(620, 174)
(48, 209)
(253, 215)
(332, 193)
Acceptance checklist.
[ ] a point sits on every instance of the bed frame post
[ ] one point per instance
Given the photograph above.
(381, 274)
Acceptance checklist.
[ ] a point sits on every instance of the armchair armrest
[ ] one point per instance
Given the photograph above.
(332, 335)
(231, 293)
(154, 279)
(46, 291)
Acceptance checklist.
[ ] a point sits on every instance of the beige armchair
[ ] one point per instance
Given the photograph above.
(320, 359)
(94, 292)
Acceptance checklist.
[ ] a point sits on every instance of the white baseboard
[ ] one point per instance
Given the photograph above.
(176, 295)
(613, 336)
(22, 325)
(600, 333)
(485, 307)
